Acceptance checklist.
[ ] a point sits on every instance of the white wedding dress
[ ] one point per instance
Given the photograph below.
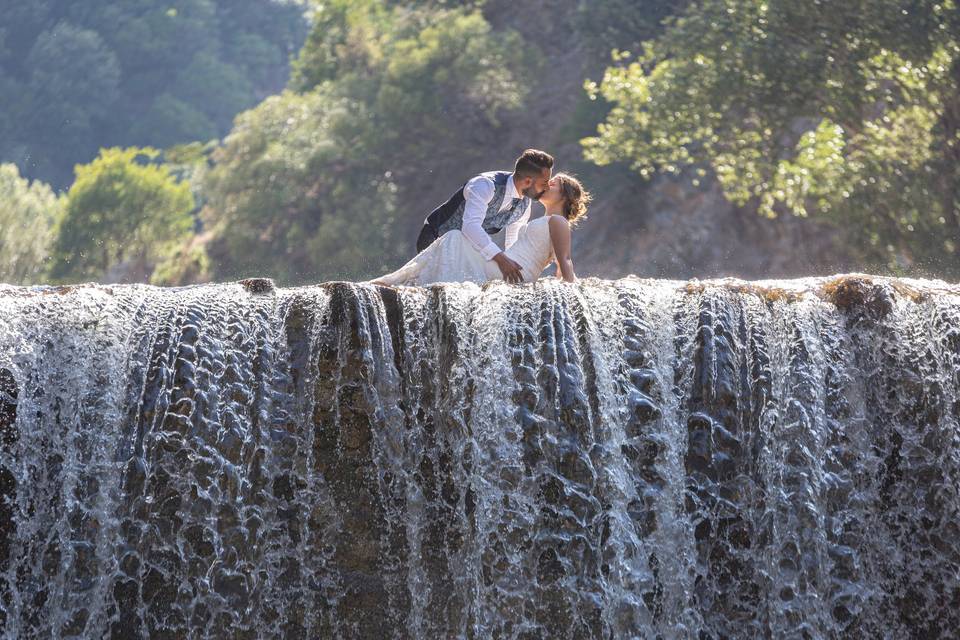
(452, 258)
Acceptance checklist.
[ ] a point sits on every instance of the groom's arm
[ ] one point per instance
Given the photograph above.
(477, 195)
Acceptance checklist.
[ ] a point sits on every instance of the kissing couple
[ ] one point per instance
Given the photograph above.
(455, 244)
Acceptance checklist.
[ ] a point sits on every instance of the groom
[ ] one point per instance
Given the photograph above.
(489, 202)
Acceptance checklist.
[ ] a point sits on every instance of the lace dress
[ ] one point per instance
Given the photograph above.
(452, 258)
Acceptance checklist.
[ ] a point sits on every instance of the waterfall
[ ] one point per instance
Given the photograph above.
(612, 459)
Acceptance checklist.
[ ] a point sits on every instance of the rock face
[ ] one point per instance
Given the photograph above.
(672, 229)
(630, 458)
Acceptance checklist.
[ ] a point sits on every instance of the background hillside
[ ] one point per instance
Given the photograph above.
(306, 142)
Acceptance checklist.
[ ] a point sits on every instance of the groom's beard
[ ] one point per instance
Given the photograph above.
(534, 195)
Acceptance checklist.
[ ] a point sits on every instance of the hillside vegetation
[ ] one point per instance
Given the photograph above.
(720, 137)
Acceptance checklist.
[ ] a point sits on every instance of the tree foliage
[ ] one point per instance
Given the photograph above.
(622, 24)
(76, 76)
(28, 213)
(292, 197)
(848, 110)
(123, 214)
(443, 73)
(305, 187)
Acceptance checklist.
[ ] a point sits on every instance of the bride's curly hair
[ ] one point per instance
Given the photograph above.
(575, 198)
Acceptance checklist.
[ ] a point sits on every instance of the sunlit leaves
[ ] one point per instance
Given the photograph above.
(838, 109)
(817, 173)
(28, 213)
(123, 214)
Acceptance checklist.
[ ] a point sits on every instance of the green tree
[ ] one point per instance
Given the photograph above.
(451, 79)
(848, 110)
(622, 24)
(218, 89)
(291, 197)
(76, 76)
(347, 36)
(261, 38)
(170, 120)
(72, 87)
(184, 263)
(8, 87)
(443, 73)
(123, 215)
(27, 217)
(305, 187)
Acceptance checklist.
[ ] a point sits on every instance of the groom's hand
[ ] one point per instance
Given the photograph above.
(509, 268)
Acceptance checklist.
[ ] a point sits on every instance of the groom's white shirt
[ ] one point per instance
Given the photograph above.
(477, 194)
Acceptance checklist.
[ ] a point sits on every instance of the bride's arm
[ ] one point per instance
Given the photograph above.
(560, 237)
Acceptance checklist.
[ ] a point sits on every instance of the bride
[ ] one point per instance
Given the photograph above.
(453, 258)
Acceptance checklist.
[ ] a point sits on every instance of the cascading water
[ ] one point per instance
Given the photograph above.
(614, 459)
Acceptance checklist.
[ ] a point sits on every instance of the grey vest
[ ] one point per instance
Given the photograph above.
(449, 215)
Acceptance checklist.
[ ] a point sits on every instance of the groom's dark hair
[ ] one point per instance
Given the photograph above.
(532, 162)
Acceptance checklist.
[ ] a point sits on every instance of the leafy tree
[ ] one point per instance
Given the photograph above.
(848, 110)
(443, 73)
(622, 24)
(8, 87)
(123, 214)
(27, 217)
(170, 120)
(261, 38)
(79, 75)
(305, 187)
(347, 36)
(218, 88)
(183, 263)
(72, 86)
(190, 163)
(291, 197)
